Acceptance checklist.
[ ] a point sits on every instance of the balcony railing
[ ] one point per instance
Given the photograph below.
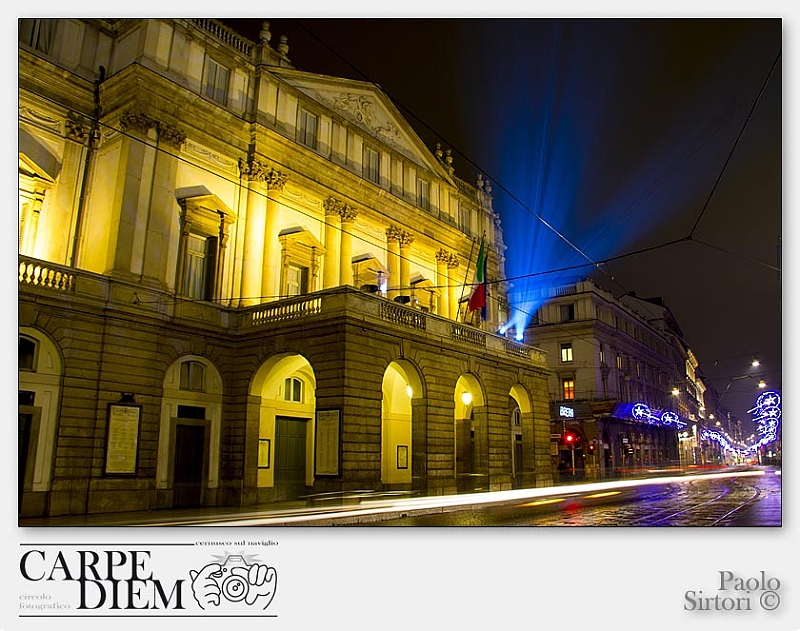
(284, 310)
(42, 274)
(468, 335)
(225, 35)
(41, 277)
(403, 315)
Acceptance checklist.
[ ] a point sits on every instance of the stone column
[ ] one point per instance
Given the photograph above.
(270, 277)
(393, 236)
(255, 227)
(159, 238)
(30, 223)
(443, 299)
(333, 242)
(454, 294)
(137, 158)
(406, 239)
(349, 215)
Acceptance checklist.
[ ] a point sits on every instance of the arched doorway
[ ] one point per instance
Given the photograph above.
(39, 395)
(471, 435)
(286, 386)
(521, 429)
(189, 438)
(403, 449)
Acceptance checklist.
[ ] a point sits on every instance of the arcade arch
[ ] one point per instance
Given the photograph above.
(520, 412)
(471, 434)
(402, 390)
(39, 396)
(286, 386)
(190, 431)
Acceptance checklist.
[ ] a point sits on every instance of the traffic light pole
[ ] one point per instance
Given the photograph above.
(572, 450)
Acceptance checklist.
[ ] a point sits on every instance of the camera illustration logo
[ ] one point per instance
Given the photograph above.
(234, 582)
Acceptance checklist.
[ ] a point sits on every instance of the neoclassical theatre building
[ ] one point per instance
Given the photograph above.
(243, 283)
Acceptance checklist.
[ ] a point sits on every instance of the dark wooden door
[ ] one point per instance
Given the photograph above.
(290, 458)
(24, 443)
(188, 478)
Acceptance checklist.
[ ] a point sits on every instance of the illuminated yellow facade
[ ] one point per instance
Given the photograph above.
(243, 283)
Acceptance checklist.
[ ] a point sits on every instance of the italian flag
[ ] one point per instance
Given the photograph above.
(477, 299)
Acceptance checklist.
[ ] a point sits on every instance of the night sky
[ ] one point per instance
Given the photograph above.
(645, 153)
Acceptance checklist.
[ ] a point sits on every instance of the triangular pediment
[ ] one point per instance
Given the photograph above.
(365, 106)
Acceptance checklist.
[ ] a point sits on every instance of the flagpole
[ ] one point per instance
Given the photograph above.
(466, 277)
(482, 251)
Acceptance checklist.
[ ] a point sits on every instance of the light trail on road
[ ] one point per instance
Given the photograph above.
(371, 511)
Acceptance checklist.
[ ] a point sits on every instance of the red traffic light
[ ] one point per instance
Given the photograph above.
(571, 439)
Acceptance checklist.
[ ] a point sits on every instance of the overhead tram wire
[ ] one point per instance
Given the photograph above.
(591, 262)
(594, 264)
(522, 205)
(735, 144)
(597, 264)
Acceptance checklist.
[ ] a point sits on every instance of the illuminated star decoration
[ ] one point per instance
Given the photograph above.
(642, 412)
(766, 416)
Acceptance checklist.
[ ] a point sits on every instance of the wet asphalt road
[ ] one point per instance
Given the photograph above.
(741, 501)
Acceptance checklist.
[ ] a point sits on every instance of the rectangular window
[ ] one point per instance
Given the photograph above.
(566, 352)
(424, 194)
(372, 165)
(296, 280)
(602, 355)
(215, 81)
(619, 362)
(308, 129)
(38, 34)
(193, 376)
(568, 388)
(192, 412)
(567, 312)
(293, 390)
(464, 219)
(200, 267)
(27, 354)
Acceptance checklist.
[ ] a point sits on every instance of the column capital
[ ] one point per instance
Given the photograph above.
(75, 127)
(395, 234)
(170, 134)
(137, 120)
(256, 171)
(335, 206)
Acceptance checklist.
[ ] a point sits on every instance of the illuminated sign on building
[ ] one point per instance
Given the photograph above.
(566, 412)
